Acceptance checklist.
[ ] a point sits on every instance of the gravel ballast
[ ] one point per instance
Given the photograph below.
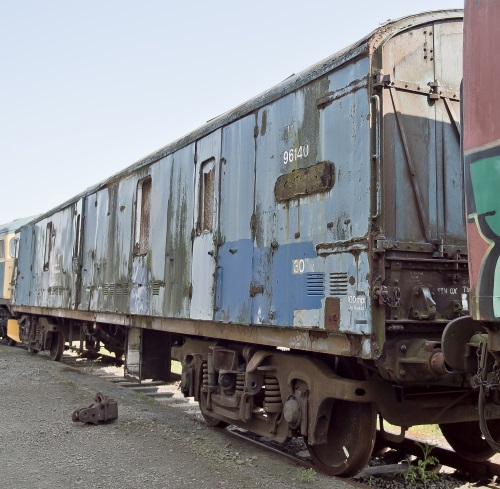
(150, 445)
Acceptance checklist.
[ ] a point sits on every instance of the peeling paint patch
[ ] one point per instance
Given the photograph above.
(305, 181)
(304, 318)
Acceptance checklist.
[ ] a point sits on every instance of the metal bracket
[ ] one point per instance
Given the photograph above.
(100, 411)
(433, 89)
(422, 304)
(393, 437)
(434, 94)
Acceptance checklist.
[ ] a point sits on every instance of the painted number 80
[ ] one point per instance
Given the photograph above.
(298, 266)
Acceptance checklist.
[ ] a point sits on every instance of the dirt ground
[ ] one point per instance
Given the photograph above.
(149, 446)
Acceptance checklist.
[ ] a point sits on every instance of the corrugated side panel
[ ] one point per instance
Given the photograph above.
(24, 280)
(235, 260)
(325, 122)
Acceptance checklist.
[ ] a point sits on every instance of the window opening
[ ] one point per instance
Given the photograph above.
(77, 237)
(143, 216)
(48, 246)
(207, 197)
(12, 248)
(2, 249)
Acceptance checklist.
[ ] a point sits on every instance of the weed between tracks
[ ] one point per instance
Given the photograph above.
(422, 469)
(306, 476)
(140, 396)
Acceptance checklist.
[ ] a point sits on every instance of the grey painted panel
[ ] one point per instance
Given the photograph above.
(52, 265)
(95, 244)
(24, 279)
(235, 256)
(449, 62)
(106, 247)
(180, 223)
(204, 249)
(418, 123)
(237, 179)
(162, 185)
(171, 225)
(345, 140)
(124, 228)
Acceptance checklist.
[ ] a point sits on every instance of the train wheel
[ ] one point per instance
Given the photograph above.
(467, 440)
(11, 342)
(350, 434)
(210, 420)
(57, 346)
(350, 439)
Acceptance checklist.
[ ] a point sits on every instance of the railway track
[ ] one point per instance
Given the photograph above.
(170, 394)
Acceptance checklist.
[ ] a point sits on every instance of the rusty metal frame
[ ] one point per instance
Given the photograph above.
(433, 89)
(313, 340)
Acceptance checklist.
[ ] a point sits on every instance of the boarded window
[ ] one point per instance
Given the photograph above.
(2, 249)
(48, 246)
(207, 195)
(143, 216)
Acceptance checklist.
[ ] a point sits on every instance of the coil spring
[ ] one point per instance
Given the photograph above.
(240, 382)
(272, 394)
(204, 382)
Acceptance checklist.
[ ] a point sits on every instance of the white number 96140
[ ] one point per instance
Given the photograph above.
(290, 155)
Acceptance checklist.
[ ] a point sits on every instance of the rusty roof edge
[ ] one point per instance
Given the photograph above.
(367, 44)
(382, 35)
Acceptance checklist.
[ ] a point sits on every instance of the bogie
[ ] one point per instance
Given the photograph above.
(40, 333)
(274, 394)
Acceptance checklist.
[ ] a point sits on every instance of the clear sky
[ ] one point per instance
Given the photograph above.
(88, 87)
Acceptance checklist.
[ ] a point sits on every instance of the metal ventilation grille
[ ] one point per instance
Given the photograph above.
(156, 285)
(315, 286)
(108, 289)
(122, 289)
(115, 289)
(338, 283)
(56, 290)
